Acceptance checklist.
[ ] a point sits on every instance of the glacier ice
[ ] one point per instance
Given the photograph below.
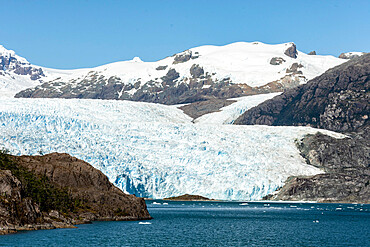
(154, 150)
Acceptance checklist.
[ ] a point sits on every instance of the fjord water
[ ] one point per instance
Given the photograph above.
(218, 224)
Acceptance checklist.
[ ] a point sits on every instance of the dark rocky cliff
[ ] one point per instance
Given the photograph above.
(337, 100)
(56, 191)
(346, 165)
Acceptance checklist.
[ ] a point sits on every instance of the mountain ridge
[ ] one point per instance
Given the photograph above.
(200, 73)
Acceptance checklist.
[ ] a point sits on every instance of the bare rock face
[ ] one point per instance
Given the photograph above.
(92, 196)
(312, 53)
(164, 67)
(346, 163)
(8, 63)
(15, 211)
(338, 187)
(196, 71)
(294, 68)
(337, 100)
(201, 108)
(291, 51)
(277, 60)
(183, 57)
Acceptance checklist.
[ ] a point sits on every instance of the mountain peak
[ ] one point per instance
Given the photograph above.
(5, 53)
(137, 60)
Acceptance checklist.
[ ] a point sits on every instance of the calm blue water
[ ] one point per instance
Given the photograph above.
(218, 224)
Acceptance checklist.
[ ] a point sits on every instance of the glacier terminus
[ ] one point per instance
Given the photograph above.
(156, 151)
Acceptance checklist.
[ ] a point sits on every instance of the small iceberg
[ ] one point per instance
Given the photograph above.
(315, 221)
(156, 203)
(165, 203)
(244, 204)
(145, 223)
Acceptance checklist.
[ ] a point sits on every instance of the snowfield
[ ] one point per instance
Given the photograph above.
(228, 114)
(154, 150)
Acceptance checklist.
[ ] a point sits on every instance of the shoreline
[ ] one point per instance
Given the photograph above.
(262, 201)
(60, 225)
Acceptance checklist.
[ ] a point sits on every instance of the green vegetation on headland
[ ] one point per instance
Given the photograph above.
(59, 191)
(39, 188)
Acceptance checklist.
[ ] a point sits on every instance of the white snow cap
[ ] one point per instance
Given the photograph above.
(137, 60)
(241, 62)
(10, 53)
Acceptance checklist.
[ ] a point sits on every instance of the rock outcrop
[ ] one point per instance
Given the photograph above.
(11, 63)
(57, 191)
(338, 100)
(346, 165)
(291, 51)
(312, 53)
(277, 60)
(200, 108)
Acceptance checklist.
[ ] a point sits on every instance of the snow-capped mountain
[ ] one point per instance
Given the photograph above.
(16, 73)
(154, 150)
(204, 72)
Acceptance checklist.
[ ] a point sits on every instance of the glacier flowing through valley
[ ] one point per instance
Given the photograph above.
(154, 150)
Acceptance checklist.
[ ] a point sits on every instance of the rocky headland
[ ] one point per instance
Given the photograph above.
(59, 191)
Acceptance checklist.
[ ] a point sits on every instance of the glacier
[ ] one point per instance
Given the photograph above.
(154, 150)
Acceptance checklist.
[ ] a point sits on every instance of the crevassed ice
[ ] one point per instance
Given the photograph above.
(153, 150)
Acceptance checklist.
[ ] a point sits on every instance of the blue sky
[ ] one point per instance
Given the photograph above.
(76, 34)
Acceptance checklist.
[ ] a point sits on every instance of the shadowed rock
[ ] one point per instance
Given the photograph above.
(277, 60)
(197, 109)
(291, 51)
(183, 57)
(346, 165)
(196, 71)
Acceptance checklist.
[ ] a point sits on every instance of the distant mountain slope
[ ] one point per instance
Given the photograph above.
(200, 73)
(17, 74)
(337, 100)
